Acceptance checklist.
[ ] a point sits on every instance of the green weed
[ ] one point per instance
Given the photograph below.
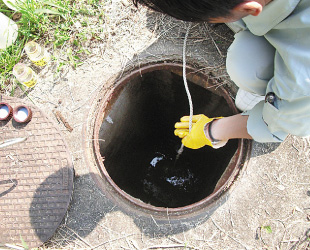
(267, 229)
(58, 24)
(25, 246)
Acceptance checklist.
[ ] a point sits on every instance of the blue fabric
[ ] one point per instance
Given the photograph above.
(285, 25)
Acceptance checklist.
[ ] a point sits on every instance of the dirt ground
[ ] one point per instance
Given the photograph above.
(268, 208)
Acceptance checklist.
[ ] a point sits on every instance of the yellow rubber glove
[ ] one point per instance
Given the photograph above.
(196, 138)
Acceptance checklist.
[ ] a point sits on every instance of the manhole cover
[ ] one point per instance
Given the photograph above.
(36, 179)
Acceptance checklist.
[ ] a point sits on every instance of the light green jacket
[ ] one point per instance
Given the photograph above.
(286, 26)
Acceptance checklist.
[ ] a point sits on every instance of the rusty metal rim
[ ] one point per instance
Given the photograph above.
(232, 169)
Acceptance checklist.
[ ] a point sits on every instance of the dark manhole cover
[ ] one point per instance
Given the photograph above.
(36, 179)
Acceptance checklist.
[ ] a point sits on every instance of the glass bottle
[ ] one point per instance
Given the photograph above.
(37, 54)
(25, 75)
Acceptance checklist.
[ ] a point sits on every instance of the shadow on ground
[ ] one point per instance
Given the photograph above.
(263, 148)
(89, 206)
(87, 209)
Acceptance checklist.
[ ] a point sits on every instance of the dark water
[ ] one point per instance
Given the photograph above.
(140, 148)
(155, 176)
(170, 181)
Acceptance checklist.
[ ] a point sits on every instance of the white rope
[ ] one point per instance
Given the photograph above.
(187, 90)
(185, 81)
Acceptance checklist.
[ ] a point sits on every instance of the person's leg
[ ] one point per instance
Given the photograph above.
(249, 64)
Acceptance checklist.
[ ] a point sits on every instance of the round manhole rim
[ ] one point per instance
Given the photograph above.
(232, 170)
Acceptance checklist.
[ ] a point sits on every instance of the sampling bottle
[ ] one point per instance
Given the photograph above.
(8, 31)
(25, 75)
(37, 54)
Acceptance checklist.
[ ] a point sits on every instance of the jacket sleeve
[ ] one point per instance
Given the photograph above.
(290, 112)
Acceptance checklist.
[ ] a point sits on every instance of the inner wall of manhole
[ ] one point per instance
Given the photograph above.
(136, 148)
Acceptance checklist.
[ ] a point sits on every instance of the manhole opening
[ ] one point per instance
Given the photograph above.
(137, 145)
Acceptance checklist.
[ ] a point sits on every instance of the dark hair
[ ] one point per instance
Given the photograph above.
(191, 10)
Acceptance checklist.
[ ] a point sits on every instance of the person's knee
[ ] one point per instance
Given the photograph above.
(242, 74)
(239, 73)
(250, 62)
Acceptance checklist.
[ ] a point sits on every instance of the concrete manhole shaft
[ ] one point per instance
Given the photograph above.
(135, 148)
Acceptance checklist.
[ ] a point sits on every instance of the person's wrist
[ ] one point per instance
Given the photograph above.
(208, 132)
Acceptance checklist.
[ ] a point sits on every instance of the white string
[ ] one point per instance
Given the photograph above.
(191, 109)
(185, 81)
